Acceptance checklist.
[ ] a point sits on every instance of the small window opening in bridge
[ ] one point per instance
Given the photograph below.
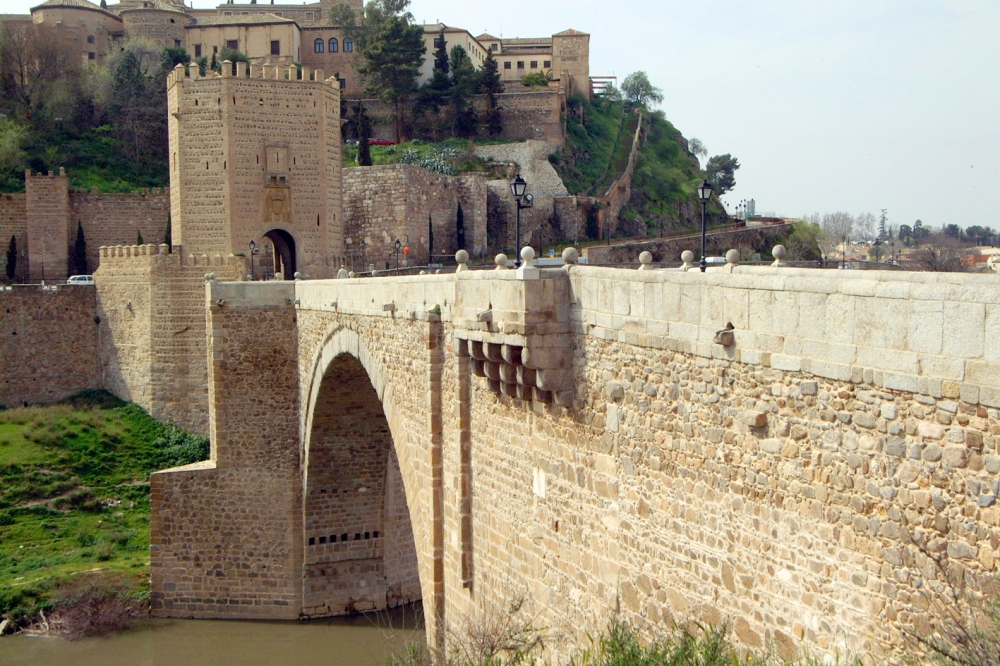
(218, 101)
(556, 526)
(196, 101)
(333, 538)
(375, 534)
(312, 541)
(295, 161)
(368, 535)
(317, 219)
(357, 536)
(234, 99)
(258, 159)
(225, 164)
(343, 537)
(322, 539)
(206, 166)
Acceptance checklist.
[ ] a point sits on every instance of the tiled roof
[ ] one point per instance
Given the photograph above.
(80, 4)
(161, 5)
(527, 41)
(240, 19)
(571, 33)
(487, 37)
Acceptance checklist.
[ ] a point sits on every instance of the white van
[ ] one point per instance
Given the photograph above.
(80, 279)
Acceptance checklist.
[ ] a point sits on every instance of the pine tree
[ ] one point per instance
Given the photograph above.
(79, 258)
(441, 63)
(364, 137)
(104, 4)
(138, 237)
(491, 86)
(430, 236)
(460, 227)
(12, 258)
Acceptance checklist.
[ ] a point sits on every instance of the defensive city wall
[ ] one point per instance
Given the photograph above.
(810, 456)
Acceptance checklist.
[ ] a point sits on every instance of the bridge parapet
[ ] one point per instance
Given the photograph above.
(924, 333)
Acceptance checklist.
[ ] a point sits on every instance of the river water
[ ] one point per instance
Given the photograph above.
(364, 640)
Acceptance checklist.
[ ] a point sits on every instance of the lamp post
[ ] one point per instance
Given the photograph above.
(253, 250)
(704, 193)
(362, 244)
(398, 245)
(517, 187)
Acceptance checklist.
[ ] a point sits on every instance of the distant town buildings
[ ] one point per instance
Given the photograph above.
(283, 34)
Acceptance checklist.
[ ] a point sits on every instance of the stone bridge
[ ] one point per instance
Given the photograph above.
(823, 478)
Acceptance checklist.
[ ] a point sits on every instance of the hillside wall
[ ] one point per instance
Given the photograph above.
(50, 343)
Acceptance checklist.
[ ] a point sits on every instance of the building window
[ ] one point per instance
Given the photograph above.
(275, 47)
(177, 43)
(215, 50)
(276, 13)
(90, 39)
(506, 65)
(343, 83)
(348, 46)
(334, 45)
(534, 64)
(318, 46)
(493, 47)
(310, 16)
(233, 44)
(548, 64)
(227, 13)
(91, 56)
(197, 50)
(244, 13)
(520, 64)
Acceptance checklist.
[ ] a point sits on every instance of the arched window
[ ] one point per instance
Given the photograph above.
(334, 46)
(318, 46)
(348, 46)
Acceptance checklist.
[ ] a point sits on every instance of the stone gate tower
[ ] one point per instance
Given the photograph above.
(255, 155)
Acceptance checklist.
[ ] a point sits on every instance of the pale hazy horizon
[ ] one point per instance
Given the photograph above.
(828, 106)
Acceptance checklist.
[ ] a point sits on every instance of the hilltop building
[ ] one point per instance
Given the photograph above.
(283, 34)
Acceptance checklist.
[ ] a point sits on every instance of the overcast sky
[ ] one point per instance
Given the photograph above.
(829, 105)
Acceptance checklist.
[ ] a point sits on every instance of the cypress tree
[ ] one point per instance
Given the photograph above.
(79, 259)
(491, 86)
(138, 237)
(12, 258)
(168, 237)
(364, 136)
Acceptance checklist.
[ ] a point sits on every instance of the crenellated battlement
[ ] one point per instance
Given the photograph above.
(119, 255)
(192, 72)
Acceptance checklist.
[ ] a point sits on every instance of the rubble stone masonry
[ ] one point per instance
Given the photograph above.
(49, 343)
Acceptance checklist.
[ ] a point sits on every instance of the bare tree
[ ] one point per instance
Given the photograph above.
(836, 228)
(939, 252)
(697, 148)
(864, 226)
(38, 69)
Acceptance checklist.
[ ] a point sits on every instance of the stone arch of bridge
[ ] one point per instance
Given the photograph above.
(366, 545)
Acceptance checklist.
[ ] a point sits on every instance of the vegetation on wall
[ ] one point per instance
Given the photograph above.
(74, 494)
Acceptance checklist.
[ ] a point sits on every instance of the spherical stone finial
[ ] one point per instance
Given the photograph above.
(645, 259)
(297, 275)
(527, 254)
(687, 256)
(501, 261)
(462, 257)
(423, 272)
(779, 252)
(351, 274)
(374, 272)
(733, 257)
(570, 255)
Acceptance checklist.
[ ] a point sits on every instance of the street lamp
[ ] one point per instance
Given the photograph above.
(398, 245)
(517, 188)
(363, 258)
(253, 250)
(704, 193)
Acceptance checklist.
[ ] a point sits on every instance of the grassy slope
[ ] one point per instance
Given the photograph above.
(596, 153)
(74, 492)
(91, 160)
